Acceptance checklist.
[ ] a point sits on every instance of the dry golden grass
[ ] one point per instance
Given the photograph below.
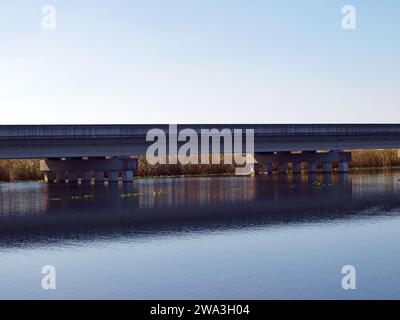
(20, 170)
(145, 169)
(375, 159)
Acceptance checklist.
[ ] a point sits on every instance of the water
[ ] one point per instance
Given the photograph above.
(203, 238)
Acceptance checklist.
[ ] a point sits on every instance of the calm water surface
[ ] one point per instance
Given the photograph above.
(197, 238)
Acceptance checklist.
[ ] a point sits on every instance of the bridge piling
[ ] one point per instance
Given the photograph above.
(297, 167)
(60, 176)
(297, 158)
(49, 177)
(343, 167)
(72, 176)
(99, 176)
(86, 176)
(113, 176)
(89, 168)
(127, 175)
(312, 167)
(327, 167)
(282, 167)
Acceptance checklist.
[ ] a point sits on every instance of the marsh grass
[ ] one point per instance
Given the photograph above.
(375, 158)
(20, 170)
(28, 169)
(146, 170)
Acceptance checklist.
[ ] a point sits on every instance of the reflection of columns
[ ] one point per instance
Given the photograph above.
(327, 167)
(72, 176)
(99, 176)
(49, 176)
(343, 167)
(343, 178)
(297, 167)
(112, 176)
(87, 176)
(312, 167)
(127, 175)
(328, 179)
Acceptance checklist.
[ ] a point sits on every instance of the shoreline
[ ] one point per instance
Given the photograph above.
(28, 170)
(159, 177)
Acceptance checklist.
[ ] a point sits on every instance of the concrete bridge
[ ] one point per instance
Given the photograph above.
(88, 151)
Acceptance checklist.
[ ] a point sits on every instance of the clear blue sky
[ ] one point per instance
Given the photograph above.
(199, 61)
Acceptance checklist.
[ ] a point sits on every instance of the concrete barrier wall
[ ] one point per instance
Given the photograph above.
(54, 141)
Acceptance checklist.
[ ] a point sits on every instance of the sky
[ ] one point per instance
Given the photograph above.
(199, 61)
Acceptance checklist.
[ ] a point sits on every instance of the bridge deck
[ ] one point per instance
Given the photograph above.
(32, 132)
(47, 141)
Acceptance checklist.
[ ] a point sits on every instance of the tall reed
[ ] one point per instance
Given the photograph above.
(145, 169)
(375, 158)
(20, 170)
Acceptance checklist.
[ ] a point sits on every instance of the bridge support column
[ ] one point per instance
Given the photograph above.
(87, 176)
(127, 176)
(268, 168)
(99, 176)
(343, 167)
(312, 167)
(98, 165)
(297, 167)
(112, 176)
(60, 176)
(282, 167)
(264, 168)
(327, 167)
(311, 157)
(49, 176)
(72, 176)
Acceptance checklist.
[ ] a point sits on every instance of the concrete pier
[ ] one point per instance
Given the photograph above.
(327, 167)
(72, 176)
(297, 167)
(311, 158)
(113, 176)
(99, 176)
(60, 176)
(86, 176)
(49, 176)
(127, 176)
(343, 167)
(282, 167)
(89, 168)
(268, 168)
(312, 167)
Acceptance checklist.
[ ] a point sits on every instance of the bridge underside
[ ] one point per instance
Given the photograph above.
(136, 146)
(100, 169)
(89, 170)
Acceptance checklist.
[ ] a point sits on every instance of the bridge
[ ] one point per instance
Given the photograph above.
(86, 152)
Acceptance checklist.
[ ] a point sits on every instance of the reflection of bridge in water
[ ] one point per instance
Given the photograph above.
(31, 212)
